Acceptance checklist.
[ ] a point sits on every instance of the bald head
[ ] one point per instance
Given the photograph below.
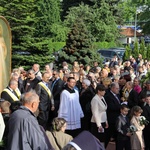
(31, 100)
(36, 67)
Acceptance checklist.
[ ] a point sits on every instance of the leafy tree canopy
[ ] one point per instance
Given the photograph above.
(98, 20)
(143, 13)
(78, 46)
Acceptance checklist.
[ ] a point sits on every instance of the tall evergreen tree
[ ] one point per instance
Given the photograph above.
(78, 46)
(30, 29)
(135, 52)
(48, 13)
(21, 19)
(148, 52)
(142, 49)
(127, 53)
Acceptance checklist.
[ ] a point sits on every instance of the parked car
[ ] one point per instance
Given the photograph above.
(120, 51)
(108, 54)
(147, 39)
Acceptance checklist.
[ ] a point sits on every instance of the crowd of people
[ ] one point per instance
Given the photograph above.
(51, 109)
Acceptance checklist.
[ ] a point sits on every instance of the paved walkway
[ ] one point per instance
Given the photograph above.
(111, 146)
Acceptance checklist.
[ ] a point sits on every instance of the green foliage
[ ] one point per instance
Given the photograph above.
(128, 8)
(78, 46)
(113, 6)
(145, 51)
(55, 46)
(142, 49)
(148, 52)
(136, 49)
(143, 16)
(39, 54)
(146, 78)
(66, 5)
(99, 20)
(49, 21)
(141, 7)
(59, 32)
(48, 13)
(37, 28)
(100, 45)
(33, 24)
(127, 53)
(117, 12)
(104, 25)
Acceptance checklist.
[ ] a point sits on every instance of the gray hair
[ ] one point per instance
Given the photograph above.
(15, 75)
(114, 84)
(31, 71)
(37, 65)
(13, 82)
(29, 97)
(87, 82)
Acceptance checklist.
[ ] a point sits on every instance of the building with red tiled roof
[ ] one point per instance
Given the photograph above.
(128, 35)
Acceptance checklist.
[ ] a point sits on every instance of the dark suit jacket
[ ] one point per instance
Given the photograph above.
(113, 63)
(133, 99)
(57, 89)
(85, 100)
(6, 96)
(142, 95)
(45, 100)
(113, 107)
(122, 125)
(32, 85)
(20, 85)
(146, 113)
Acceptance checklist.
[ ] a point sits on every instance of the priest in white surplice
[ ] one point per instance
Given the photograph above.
(70, 108)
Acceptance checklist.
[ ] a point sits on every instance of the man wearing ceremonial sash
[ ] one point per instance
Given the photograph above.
(46, 100)
(9, 92)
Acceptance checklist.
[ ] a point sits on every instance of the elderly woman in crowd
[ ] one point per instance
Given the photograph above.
(57, 137)
(86, 96)
(99, 117)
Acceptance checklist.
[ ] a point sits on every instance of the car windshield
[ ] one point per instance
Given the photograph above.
(120, 53)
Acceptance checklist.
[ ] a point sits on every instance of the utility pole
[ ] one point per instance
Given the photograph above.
(135, 25)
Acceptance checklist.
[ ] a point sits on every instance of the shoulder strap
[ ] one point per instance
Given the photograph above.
(14, 97)
(46, 88)
(56, 141)
(18, 93)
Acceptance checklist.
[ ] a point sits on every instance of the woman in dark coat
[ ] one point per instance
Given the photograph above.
(86, 96)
